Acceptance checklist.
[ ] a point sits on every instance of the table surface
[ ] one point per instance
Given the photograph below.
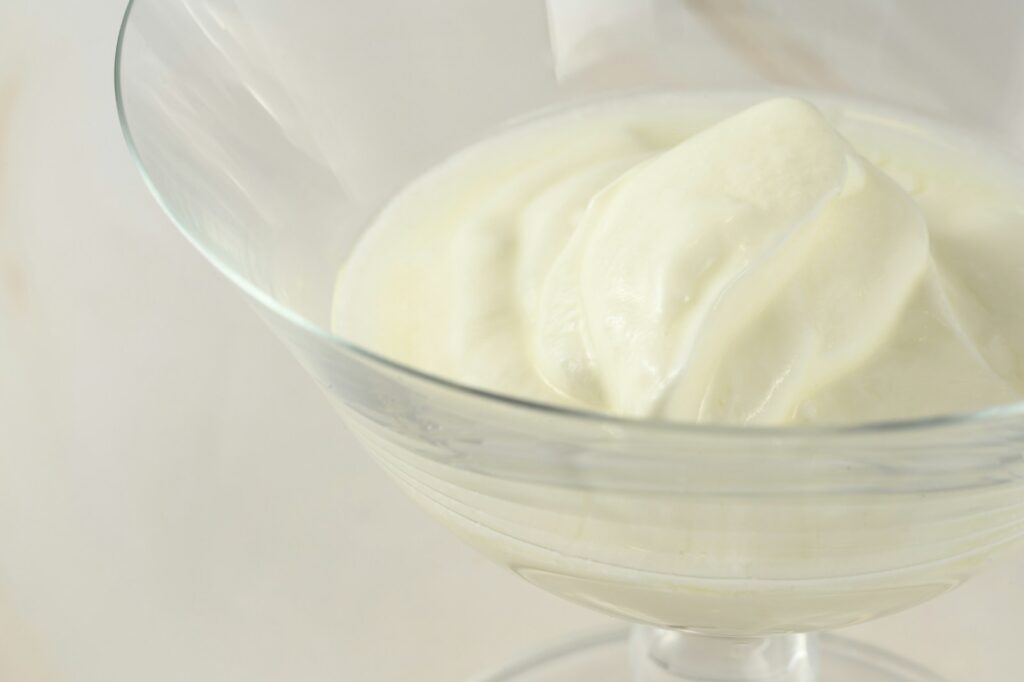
(177, 500)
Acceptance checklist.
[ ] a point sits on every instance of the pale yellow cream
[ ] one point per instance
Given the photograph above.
(777, 266)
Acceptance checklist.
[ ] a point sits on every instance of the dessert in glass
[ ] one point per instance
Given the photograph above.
(698, 314)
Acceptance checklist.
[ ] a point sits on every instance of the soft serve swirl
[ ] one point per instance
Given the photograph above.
(759, 271)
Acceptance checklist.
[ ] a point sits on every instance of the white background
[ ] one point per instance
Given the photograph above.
(178, 502)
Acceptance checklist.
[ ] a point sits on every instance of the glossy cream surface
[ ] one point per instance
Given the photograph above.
(705, 259)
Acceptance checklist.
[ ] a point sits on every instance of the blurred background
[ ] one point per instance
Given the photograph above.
(178, 501)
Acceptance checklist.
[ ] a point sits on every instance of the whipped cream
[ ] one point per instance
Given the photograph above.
(767, 268)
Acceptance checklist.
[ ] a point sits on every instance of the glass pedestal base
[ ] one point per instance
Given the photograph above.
(604, 657)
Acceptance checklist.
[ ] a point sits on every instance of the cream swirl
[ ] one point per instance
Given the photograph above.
(760, 271)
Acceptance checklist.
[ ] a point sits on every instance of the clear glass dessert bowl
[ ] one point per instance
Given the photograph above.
(272, 133)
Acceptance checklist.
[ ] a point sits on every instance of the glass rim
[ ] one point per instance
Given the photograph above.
(672, 428)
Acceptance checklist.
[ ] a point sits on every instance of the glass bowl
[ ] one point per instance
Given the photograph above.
(272, 132)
